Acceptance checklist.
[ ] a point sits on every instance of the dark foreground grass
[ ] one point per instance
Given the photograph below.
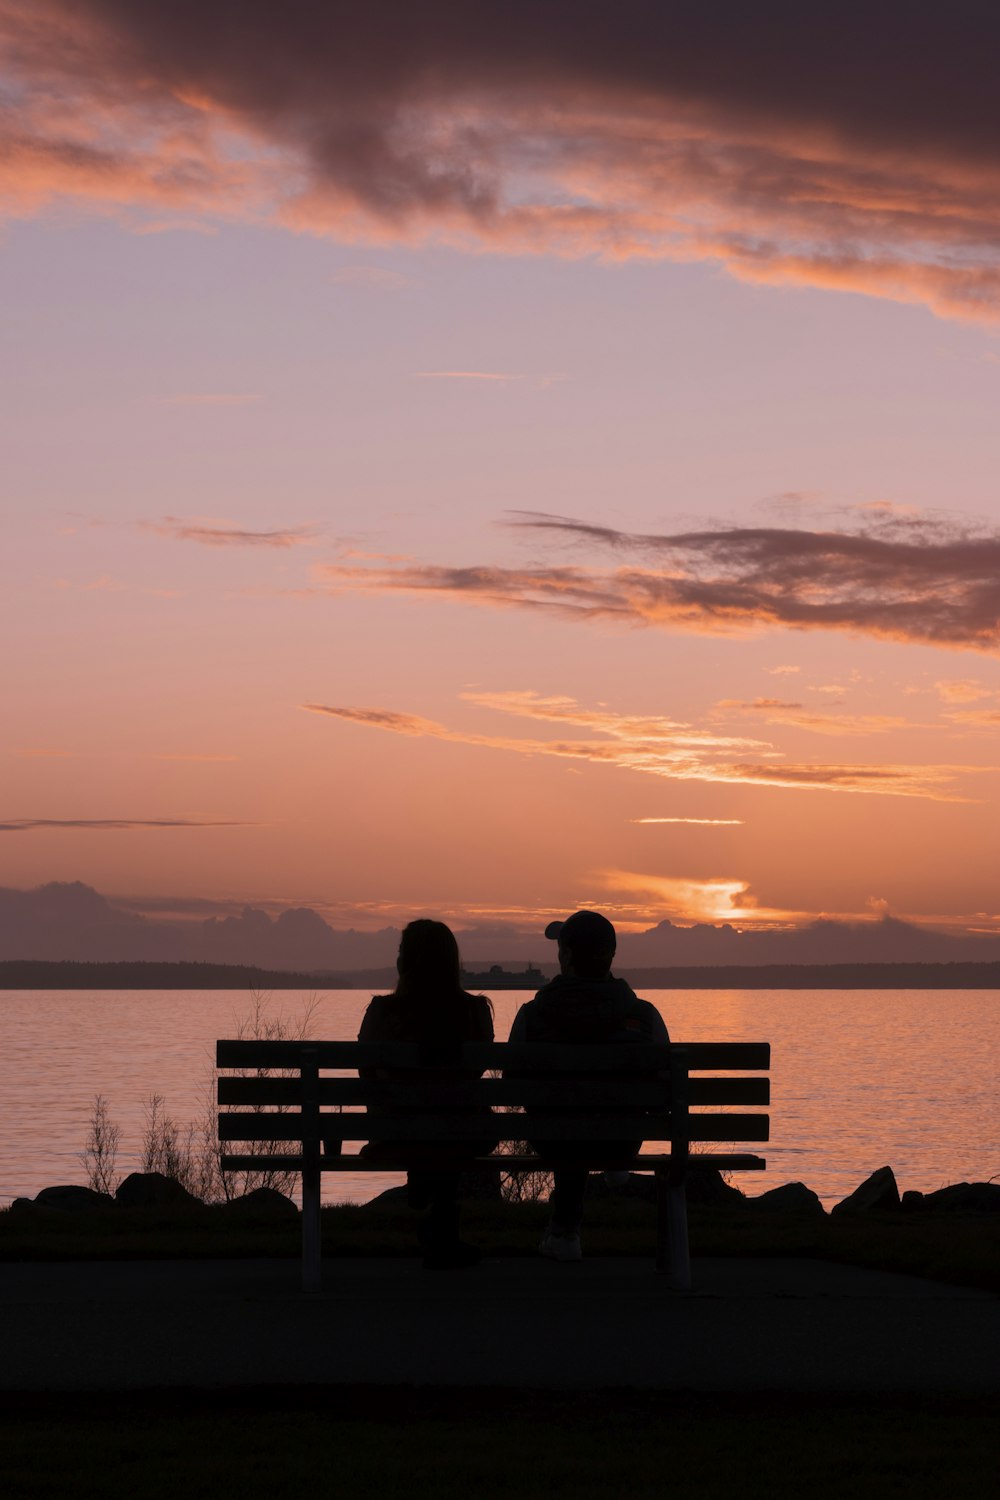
(452, 1445)
(963, 1249)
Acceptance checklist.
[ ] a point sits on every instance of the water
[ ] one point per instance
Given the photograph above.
(860, 1078)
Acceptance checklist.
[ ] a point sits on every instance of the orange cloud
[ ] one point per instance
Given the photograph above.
(961, 690)
(855, 150)
(658, 747)
(774, 711)
(715, 900)
(711, 822)
(981, 718)
(229, 536)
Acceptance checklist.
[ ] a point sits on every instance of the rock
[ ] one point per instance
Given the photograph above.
(73, 1199)
(790, 1198)
(631, 1186)
(706, 1185)
(394, 1197)
(876, 1194)
(965, 1197)
(153, 1190)
(911, 1201)
(263, 1202)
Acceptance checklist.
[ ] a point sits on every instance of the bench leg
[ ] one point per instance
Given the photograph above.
(673, 1255)
(312, 1250)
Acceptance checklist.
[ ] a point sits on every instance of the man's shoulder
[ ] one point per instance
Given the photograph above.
(649, 1022)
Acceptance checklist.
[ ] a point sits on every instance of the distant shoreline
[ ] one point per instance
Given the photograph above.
(25, 974)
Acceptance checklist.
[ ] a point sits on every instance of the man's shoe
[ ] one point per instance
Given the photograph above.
(562, 1247)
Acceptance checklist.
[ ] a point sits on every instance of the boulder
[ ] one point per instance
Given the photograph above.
(706, 1185)
(153, 1190)
(631, 1186)
(73, 1199)
(263, 1202)
(911, 1201)
(394, 1197)
(791, 1198)
(965, 1197)
(877, 1194)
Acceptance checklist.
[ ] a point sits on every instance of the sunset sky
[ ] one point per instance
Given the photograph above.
(481, 460)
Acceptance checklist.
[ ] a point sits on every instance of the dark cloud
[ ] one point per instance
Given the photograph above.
(905, 579)
(379, 718)
(25, 825)
(852, 147)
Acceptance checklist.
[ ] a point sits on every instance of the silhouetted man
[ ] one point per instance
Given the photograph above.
(584, 1003)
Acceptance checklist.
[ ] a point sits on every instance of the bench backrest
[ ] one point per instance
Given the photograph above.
(290, 1091)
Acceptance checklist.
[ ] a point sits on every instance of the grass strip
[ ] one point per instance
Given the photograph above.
(449, 1444)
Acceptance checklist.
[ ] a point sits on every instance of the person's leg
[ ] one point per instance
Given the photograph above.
(569, 1185)
(561, 1240)
(443, 1250)
(419, 1189)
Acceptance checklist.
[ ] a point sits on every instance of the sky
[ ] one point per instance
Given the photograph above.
(479, 461)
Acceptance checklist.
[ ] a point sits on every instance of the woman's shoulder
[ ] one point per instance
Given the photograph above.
(380, 1013)
(482, 1010)
(379, 1003)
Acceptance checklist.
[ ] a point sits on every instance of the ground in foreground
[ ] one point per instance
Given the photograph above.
(448, 1443)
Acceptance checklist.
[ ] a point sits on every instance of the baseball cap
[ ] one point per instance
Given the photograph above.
(584, 932)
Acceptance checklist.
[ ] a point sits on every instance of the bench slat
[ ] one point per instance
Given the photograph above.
(468, 1126)
(722, 1162)
(638, 1094)
(536, 1058)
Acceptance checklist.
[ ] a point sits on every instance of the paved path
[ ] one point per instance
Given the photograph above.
(751, 1325)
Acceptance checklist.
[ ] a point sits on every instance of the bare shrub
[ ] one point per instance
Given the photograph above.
(191, 1153)
(100, 1154)
(532, 1186)
(166, 1146)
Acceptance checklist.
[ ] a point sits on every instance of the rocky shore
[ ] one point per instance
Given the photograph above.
(877, 1194)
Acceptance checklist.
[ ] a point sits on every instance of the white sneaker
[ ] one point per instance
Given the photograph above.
(562, 1247)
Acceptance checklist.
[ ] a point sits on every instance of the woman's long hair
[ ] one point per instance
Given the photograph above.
(428, 964)
(431, 1004)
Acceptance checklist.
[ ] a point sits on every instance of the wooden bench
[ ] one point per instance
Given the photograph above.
(284, 1099)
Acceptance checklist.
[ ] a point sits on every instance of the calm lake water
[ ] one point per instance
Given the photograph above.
(860, 1078)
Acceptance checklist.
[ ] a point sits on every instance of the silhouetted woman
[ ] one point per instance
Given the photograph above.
(430, 1007)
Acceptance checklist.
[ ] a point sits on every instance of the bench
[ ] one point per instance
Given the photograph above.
(283, 1099)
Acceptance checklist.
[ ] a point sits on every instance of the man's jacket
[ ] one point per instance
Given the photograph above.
(588, 1010)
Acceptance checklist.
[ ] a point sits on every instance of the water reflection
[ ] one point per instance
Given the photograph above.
(860, 1078)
